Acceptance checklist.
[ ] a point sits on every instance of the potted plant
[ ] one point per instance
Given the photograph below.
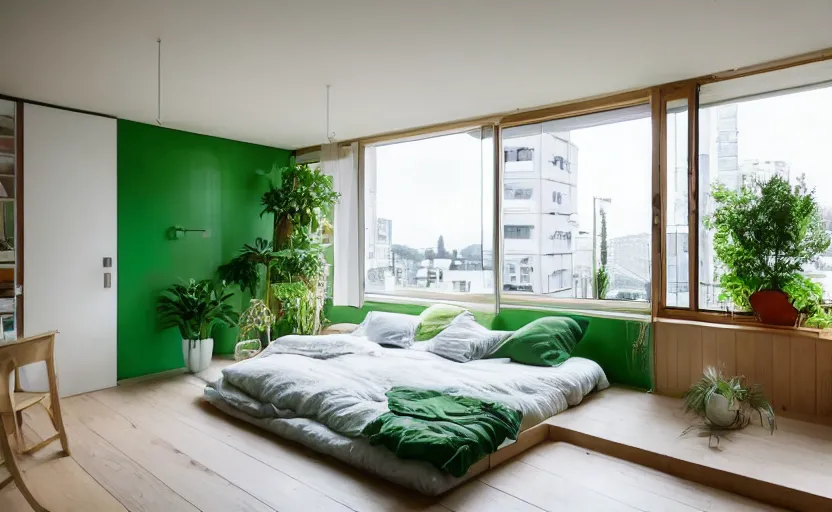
(763, 236)
(195, 308)
(726, 403)
(300, 199)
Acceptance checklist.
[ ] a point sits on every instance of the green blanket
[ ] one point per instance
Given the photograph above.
(450, 432)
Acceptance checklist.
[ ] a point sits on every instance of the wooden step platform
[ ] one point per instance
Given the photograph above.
(791, 469)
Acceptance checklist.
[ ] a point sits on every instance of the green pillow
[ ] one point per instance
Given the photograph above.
(435, 319)
(548, 341)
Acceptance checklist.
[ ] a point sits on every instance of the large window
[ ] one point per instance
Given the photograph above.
(429, 215)
(677, 276)
(747, 135)
(589, 179)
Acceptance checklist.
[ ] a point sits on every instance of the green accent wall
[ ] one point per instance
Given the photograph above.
(172, 178)
(612, 342)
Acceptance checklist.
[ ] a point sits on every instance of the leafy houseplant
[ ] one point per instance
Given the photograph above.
(300, 199)
(727, 403)
(195, 308)
(763, 236)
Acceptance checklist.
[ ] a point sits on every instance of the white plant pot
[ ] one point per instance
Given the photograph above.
(197, 354)
(719, 411)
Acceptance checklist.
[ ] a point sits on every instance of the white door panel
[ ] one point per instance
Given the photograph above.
(70, 225)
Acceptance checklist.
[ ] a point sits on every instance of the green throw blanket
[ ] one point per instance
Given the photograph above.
(450, 432)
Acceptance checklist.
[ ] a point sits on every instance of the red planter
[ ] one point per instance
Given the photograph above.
(774, 308)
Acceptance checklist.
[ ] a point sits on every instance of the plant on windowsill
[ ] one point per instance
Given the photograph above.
(195, 308)
(763, 236)
(726, 404)
(299, 199)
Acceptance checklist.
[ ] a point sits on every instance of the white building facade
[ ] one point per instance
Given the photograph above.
(539, 211)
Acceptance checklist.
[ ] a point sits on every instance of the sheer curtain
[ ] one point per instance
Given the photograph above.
(342, 164)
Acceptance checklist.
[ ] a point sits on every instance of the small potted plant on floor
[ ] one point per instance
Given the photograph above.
(763, 236)
(727, 403)
(195, 308)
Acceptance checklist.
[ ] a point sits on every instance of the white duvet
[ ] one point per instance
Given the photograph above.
(339, 382)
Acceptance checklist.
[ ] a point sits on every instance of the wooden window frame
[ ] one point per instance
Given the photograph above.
(689, 89)
(657, 97)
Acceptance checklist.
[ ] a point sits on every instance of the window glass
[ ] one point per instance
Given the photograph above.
(429, 216)
(756, 137)
(676, 236)
(589, 207)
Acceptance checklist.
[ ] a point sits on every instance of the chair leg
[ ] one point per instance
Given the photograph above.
(18, 432)
(11, 465)
(57, 417)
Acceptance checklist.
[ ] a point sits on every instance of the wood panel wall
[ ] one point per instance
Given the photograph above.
(795, 370)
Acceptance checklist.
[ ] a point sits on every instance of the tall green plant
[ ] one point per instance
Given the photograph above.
(300, 196)
(195, 308)
(764, 235)
(300, 199)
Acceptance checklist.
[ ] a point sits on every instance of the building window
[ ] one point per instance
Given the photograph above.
(511, 269)
(602, 208)
(525, 154)
(519, 154)
(517, 232)
(425, 230)
(511, 192)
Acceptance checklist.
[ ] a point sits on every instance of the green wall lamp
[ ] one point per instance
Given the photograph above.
(178, 232)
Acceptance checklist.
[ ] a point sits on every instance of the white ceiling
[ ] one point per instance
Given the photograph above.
(256, 70)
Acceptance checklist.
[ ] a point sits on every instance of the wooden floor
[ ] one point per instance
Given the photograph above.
(155, 446)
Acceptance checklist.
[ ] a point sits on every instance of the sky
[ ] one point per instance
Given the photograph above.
(434, 186)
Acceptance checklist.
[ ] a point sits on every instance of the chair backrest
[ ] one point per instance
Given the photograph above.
(19, 353)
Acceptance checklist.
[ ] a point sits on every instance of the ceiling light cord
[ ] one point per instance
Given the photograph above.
(159, 82)
(330, 135)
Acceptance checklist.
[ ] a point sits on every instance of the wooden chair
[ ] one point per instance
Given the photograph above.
(14, 401)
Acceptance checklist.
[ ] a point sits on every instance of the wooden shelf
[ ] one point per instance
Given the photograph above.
(751, 325)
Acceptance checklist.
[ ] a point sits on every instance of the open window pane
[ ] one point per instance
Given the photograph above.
(749, 134)
(429, 217)
(677, 274)
(576, 203)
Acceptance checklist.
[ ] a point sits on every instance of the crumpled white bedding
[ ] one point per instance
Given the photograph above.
(322, 391)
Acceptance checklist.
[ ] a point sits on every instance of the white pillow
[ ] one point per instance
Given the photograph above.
(464, 340)
(392, 329)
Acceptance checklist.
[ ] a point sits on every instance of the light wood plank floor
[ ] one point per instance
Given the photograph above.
(155, 446)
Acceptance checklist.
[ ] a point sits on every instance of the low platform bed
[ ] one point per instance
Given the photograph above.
(323, 391)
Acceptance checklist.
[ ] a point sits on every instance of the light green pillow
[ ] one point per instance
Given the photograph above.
(435, 319)
(548, 341)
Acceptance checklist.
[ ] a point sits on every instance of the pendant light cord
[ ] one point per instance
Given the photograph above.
(159, 82)
(329, 135)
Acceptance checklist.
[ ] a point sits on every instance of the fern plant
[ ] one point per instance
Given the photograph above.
(748, 399)
(195, 308)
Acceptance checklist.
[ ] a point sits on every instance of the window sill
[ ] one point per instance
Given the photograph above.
(737, 323)
(622, 310)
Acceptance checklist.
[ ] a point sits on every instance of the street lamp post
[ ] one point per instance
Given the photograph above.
(594, 244)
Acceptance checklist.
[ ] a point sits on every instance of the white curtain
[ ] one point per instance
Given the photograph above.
(342, 164)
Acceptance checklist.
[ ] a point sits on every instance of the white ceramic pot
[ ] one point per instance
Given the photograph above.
(197, 354)
(720, 412)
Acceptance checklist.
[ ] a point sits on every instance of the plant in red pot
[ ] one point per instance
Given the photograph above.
(764, 235)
